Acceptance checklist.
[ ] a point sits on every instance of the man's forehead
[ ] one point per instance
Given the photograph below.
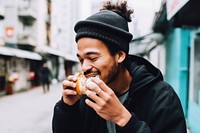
(87, 53)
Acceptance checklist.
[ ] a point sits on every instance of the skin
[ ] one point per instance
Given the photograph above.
(96, 59)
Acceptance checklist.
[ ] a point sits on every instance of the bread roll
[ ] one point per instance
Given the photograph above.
(81, 84)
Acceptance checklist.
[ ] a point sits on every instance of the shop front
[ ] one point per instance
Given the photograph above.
(15, 69)
(2, 75)
(5, 55)
(181, 28)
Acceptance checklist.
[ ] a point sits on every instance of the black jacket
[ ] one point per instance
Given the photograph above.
(154, 105)
(45, 75)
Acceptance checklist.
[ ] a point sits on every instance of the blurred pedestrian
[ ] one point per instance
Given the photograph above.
(130, 94)
(45, 77)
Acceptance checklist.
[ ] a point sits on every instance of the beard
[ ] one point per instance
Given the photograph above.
(109, 77)
(112, 75)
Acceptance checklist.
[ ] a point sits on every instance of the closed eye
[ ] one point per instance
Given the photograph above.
(93, 59)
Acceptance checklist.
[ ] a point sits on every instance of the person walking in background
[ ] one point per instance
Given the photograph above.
(125, 93)
(45, 76)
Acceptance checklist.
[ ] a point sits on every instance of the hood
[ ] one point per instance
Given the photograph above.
(143, 73)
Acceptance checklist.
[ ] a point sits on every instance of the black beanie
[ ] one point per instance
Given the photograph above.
(107, 26)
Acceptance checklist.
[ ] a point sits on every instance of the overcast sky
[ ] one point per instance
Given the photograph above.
(144, 11)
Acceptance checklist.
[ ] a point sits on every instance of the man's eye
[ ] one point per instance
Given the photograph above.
(93, 59)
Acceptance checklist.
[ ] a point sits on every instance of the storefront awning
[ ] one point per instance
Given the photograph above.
(19, 53)
(173, 6)
(5, 51)
(144, 44)
(52, 51)
(26, 54)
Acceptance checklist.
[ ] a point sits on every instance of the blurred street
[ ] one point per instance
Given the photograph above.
(38, 32)
(30, 111)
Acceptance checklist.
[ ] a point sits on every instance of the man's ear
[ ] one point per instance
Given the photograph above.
(121, 55)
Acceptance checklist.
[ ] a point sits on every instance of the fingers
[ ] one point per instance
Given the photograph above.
(99, 87)
(97, 94)
(69, 86)
(70, 82)
(67, 92)
(99, 91)
(92, 91)
(92, 105)
(93, 96)
(92, 87)
(102, 85)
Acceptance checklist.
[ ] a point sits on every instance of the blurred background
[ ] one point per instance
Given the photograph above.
(166, 32)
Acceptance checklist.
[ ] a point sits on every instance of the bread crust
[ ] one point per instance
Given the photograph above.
(81, 84)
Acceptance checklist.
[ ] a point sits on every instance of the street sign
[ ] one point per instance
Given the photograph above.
(173, 6)
(9, 32)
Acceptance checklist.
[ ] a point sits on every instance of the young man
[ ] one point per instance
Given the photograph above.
(131, 96)
(45, 75)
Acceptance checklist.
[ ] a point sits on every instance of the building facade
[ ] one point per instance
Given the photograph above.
(19, 42)
(181, 31)
(29, 38)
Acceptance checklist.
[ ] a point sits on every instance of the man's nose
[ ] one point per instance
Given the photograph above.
(86, 66)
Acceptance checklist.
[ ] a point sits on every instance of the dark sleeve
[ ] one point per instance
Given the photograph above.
(165, 116)
(66, 119)
(134, 126)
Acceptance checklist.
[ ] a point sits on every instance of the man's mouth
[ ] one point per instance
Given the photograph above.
(89, 75)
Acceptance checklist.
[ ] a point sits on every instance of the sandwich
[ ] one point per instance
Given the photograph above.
(81, 83)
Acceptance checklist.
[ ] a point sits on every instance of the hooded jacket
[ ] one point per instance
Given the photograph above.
(154, 105)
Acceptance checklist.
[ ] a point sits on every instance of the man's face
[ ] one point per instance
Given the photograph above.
(96, 59)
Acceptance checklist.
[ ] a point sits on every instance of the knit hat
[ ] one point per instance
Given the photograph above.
(107, 26)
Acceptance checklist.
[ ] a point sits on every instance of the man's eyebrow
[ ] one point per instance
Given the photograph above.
(89, 53)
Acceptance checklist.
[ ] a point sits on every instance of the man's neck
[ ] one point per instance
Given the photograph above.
(122, 81)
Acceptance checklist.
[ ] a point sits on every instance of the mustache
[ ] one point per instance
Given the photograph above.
(89, 72)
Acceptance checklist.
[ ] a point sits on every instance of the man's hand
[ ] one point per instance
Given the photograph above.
(70, 96)
(106, 103)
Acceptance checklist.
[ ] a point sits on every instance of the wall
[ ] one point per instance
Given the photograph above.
(177, 58)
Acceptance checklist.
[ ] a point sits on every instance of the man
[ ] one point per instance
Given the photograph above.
(130, 94)
(45, 76)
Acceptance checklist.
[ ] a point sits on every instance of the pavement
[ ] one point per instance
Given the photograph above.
(30, 111)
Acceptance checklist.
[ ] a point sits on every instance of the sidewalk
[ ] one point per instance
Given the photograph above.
(29, 111)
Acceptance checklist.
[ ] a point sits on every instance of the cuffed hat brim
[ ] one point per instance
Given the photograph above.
(98, 26)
